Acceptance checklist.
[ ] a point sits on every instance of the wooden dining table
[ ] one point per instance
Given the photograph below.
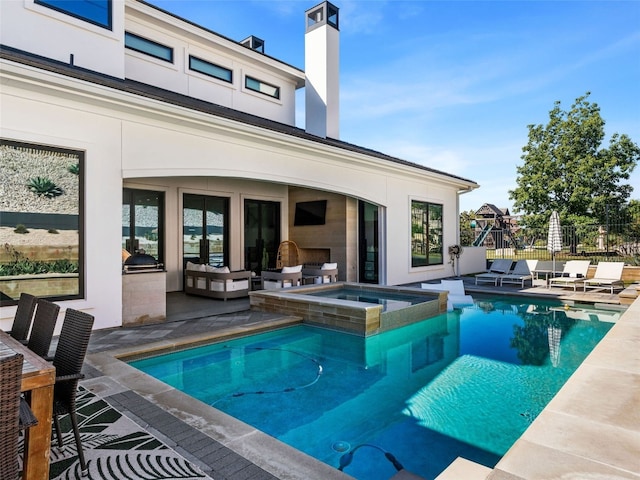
(38, 378)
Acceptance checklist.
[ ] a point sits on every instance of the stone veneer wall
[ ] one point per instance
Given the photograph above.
(144, 298)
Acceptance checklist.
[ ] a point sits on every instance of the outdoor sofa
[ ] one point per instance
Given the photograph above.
(213, 282)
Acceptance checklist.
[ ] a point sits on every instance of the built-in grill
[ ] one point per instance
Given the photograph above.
(141, 262)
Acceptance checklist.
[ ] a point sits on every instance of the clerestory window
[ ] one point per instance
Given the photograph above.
(148, 47)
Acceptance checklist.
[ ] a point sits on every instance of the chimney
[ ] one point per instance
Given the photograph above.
(322, 60)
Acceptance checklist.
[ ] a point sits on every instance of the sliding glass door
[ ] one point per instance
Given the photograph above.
(368, 243)
(205, 230)
(261, 234)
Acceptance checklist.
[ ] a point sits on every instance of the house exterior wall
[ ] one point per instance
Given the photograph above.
(137, 141)
(186, 40)
(34, 28)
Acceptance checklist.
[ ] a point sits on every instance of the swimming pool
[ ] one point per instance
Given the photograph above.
(466, 383)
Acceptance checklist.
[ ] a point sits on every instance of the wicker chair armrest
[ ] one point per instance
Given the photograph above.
(27, 417)
(68, 378)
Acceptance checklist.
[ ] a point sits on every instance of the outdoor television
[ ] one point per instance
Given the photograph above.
(310, 213)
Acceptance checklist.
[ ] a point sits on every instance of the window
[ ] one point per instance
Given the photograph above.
(41, 222)
(143, 222)
(261, 87)
(426, 234)
(97, 12)
(210, 69)
(142, 45)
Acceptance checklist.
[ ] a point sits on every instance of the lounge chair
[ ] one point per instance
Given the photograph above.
(520, 273)
(498, 267)
(607, 274)
(456, 297)
(286, 277)
(325, 273)
(574, 272)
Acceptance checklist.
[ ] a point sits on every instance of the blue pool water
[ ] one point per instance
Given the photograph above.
(465, 383)
(389, 301)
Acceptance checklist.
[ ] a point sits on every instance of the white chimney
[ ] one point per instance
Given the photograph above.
(322, 60)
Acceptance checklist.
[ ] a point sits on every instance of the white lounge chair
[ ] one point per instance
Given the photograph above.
(456, 297)
(520, 273)
(574, 272)
(607, 274)
(499, 267)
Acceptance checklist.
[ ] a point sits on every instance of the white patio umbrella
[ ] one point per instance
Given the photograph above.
(554, 240)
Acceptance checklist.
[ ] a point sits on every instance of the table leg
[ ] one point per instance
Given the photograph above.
(38, 438)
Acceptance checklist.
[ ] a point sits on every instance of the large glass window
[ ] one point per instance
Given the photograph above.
(148, 47)
(426, 234)
(143, 222)
(97, 12)
(41, 222)
(210, 69)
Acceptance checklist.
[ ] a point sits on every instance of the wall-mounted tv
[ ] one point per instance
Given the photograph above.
(310, 213)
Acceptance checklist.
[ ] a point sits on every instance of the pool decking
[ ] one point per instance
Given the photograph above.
(592, 427)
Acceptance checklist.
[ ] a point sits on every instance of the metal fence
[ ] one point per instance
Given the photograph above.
(613, 242)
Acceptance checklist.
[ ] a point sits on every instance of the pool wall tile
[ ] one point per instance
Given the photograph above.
(350, 316)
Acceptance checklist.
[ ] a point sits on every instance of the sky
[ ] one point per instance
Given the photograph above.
(453, 85)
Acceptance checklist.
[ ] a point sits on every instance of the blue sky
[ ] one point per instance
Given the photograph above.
(454, 84)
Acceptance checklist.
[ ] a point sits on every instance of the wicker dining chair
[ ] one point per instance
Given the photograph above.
(23, 317)
(44, 322)
(10, 379)
(68, 360)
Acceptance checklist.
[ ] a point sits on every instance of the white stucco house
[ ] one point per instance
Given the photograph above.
(178, 141)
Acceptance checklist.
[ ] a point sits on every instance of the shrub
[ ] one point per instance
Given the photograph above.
(21, 265)
(20, 228)
(44, 187)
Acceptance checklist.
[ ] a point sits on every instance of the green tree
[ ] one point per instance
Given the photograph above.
(467, 232)
(566, 169)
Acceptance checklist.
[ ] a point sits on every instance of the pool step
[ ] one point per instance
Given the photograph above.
(461, 468)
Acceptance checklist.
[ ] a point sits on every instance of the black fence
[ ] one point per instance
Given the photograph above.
(613, 242)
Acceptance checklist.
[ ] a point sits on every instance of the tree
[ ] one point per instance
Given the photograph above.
(467, 232)
(566, 169)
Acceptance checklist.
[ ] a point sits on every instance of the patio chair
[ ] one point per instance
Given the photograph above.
(10, 380)
(23, 317)
(284, 278)
(574, 272)
(498, 267)
(520, 273)
(325, 273)
(607, 274)
(44, 322)
(68, 360)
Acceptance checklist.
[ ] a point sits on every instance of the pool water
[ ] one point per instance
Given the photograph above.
(465, 383)
(389, 301)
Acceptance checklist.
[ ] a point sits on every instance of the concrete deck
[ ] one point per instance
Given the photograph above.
(590, 430)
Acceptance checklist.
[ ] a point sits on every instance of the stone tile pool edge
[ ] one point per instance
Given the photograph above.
(269, 454)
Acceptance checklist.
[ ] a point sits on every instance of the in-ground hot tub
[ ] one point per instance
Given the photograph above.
(353, 307)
